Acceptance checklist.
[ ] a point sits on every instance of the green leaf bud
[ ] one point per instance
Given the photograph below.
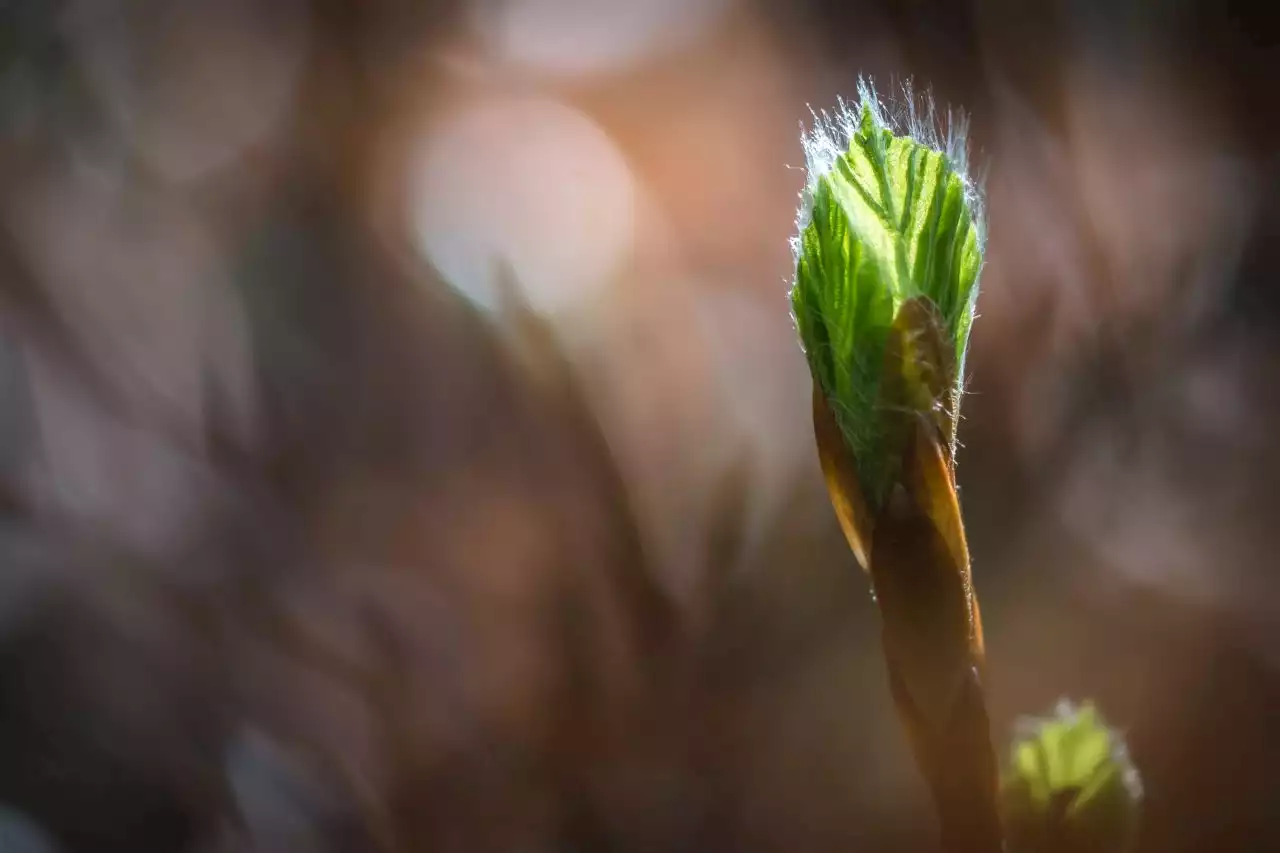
(888, 217)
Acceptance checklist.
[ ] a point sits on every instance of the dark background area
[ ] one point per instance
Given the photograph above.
(404, 444)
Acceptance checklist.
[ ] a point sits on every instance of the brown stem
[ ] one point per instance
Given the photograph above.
(918, 560)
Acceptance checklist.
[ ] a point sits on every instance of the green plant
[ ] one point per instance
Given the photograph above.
(1069, 785)
(888, 255)
(890, 237)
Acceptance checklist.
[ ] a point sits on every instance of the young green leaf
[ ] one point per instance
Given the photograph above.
(1070, 785)
(888, 217)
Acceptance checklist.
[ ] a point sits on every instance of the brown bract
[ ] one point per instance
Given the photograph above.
(915, 550)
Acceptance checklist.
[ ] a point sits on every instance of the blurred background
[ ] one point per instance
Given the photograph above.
(405, 443)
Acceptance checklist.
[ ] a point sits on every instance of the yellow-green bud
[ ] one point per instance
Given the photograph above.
(889, 215)
(1070, 786)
